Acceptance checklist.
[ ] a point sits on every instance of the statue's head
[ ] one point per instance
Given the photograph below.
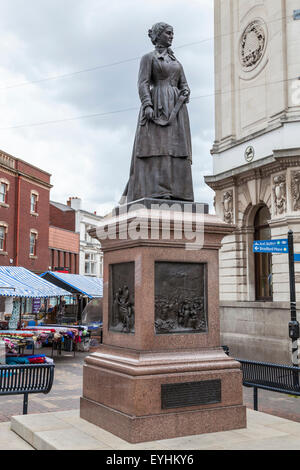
(161, 34)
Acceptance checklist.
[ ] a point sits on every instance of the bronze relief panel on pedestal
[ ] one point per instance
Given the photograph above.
(180, 298)
(121, 316)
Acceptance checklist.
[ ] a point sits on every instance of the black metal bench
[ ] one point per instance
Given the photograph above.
(274, 377)
(25, 379)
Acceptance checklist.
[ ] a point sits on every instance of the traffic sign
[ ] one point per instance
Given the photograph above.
(297, 258)
(271, 246)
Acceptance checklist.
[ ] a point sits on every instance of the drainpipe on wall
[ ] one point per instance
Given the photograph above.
(18, 221)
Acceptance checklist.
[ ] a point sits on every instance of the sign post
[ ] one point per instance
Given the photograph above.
(281, 247)
(271, 246)
(294, 329)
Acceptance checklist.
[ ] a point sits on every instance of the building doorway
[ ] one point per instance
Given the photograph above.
(263, 262)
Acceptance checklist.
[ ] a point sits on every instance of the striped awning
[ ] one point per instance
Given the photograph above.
(16, 281)
(6, 289)
(91, 287)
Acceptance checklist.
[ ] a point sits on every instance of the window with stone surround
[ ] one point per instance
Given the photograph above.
(4, 187)
(34, 197)
(33, 242)
(3, 237)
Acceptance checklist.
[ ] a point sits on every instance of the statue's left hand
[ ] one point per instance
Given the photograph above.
(186, 93)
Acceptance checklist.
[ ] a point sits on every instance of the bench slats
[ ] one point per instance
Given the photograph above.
(35, 378)
(274, 377)
(271, 376)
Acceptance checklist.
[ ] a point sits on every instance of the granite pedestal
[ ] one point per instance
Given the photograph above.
(161, 371)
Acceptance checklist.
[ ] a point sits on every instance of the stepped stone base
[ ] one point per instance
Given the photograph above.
(163, 426)
(145, 396)
(67, 431)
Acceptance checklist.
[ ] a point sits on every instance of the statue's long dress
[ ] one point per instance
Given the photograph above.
(162, 156)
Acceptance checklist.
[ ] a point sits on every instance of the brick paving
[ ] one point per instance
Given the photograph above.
(67, 390)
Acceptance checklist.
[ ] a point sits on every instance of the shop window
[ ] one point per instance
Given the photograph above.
(3, 192)
(3, 232)
(33, 243)
(34, 203)
(263, 262)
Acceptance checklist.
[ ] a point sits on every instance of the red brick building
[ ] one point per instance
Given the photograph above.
(24, 214)
(64, 250)
(71, 217)
(63, 216)
(64, 242)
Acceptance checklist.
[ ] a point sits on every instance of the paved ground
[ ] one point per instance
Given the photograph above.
(275, 404)
(67, 389)
(65, 393)
(65, 430)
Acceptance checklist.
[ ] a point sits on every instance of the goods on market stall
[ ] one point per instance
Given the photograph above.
(35, 359)
(2, 352)
(17, 341)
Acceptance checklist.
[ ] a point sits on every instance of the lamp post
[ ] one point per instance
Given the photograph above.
(294, 327)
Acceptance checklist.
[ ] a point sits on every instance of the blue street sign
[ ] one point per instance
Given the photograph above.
(297, 258)
(296, 15)
(271, 246)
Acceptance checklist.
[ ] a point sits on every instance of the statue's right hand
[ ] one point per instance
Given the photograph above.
(149, 113)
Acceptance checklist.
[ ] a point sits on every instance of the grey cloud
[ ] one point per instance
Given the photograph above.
(61, 36)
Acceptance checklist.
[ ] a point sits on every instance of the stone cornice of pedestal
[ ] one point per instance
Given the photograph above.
(279, 161)
(211, 224)
(139, 363)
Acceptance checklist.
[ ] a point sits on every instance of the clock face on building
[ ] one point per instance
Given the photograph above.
(253, 44)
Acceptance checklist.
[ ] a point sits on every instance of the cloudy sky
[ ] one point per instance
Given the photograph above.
(68, 88)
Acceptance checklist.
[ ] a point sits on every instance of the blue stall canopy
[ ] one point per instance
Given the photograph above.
(16, 281)
(6, 289)
(91, 287)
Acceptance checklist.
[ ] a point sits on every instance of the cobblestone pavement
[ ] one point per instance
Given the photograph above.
(67, 389)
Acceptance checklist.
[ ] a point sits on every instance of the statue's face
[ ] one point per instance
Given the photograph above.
(166, 37)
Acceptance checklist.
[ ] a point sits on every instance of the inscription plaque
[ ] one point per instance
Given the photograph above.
(190, 394)
(180, 298)
(121, 298)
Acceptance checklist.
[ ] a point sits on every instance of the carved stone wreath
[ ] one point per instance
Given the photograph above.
(253, 44)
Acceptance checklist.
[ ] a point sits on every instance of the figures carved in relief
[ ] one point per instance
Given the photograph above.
(180, 300)
(228, 207)
(296, 190)
(121, 304)
(123, 310)
(253, 44)
(279, 191)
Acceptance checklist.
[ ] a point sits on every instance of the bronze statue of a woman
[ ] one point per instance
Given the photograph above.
(162, 152)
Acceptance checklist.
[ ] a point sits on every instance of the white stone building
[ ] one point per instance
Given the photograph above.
(91, 255)
(256, 168)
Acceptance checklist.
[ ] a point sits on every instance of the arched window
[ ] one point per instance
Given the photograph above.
(263, 261)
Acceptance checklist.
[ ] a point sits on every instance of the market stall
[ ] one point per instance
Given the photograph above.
(25, 298)
(16, 344)
(83, 289)
(67, 338)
